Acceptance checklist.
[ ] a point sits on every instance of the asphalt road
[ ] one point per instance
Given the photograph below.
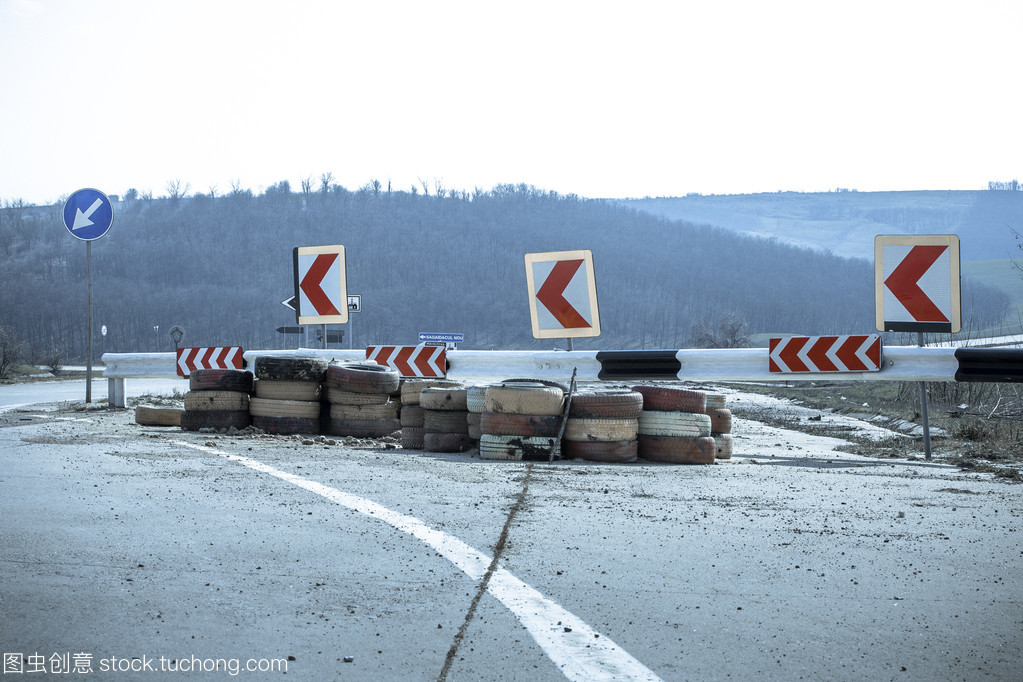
(131, 545)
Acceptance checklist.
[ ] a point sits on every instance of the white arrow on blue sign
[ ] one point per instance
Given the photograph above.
(447, 338)
(88, 214)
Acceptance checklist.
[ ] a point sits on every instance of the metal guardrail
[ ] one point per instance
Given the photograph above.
(899, 363)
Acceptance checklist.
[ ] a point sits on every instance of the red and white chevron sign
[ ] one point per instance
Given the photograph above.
(826, 354)
(214, 357)
(321, 287)
(562, 294)
(410, 361)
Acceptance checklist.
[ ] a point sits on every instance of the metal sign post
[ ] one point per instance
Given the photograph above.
(88, 215)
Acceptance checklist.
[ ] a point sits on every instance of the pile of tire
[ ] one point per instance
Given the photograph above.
(217, 399)
(603, 426)
(413, 416)
(521, 420)
(475, 403)
(445, 419)
(287, 394)
(674, 426)
(720, 425)
(362, 398)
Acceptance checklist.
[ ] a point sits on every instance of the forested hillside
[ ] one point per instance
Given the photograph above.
(220, 267)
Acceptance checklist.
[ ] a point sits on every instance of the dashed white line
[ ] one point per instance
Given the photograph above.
(579, 651)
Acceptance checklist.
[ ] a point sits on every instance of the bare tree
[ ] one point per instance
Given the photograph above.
(10, 351)
(326, 180)
(307, 185)
(730, 332)
(177, 189)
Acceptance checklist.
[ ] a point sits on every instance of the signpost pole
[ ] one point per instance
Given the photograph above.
(88, 356)
(323, 335)
(569, 339)
(923, 406)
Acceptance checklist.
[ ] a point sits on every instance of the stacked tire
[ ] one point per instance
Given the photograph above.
(287, 394)
(413, 416)
(475, 403)
(720, 426)
(362, 400)
(445, 419)
(603, 426)
(217, 399)
(674, 426)
(521, 420)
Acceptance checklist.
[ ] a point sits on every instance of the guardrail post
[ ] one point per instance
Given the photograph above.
(115, 392)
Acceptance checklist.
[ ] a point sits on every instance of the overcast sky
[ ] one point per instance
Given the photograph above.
(601, 99)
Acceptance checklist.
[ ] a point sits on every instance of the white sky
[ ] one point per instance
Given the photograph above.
(602, 99)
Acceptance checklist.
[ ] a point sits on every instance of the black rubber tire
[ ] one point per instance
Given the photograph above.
(723, 446)
(677, 449)
(412, 437)
(216, 401)
(339, 397)
(606, 404)
(444, 398)
(585, 429)
(363, 377)
(447, 442)
(411, 388)
(287, 425)
(277, 389)
(506, 424)
(209, 419)
(601, 451)
(518, 448)
(669, 399)
(545, 382)
(412, 415)
(525, 399)
(363, 428)
(220, 380)
(289, 368)
(445, 421)
(387, 410)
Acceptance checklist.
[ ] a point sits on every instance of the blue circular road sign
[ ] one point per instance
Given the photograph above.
(88, 214)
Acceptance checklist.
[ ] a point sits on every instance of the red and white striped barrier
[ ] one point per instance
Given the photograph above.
(825, 354)
(214, 357)
(410, 361)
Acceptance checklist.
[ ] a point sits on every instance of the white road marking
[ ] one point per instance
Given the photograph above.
(579, 651)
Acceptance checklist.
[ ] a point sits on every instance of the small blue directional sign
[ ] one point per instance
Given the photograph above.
(447, 338)
(88, 214)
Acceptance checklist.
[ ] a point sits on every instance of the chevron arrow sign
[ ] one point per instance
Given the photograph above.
(916, 281)
(562, 294)
(825, 354)
(410, 361)
(321, 290)
(215, 357)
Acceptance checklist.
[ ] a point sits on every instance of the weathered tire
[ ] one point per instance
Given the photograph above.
(216, 401)
(505, 424)
(152, 415)
(363, 428)
(544, 382)
(720, 420)
(475, 398)
(193, 421)
(606, 404)
(715, 401)
(684, 424)
(443, 398)
(220, 380)
(287, 425)
(524, 399)
(300, 409)
(287, 368)
(676, 449)
(723, 446)
(601, 451)
(363, 377)
(445, 421)
(584, 429)
(447, 442)
(519, 448)
(412, 437)
(339, 397)
(668, 399)
(364, 412)
(279, 389)
(412, 415)
(411, 388)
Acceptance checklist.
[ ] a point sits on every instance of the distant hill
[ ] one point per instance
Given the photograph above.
(845, 223)
(220, 266)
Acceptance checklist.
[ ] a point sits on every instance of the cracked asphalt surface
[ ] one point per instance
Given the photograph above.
(790, 561)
